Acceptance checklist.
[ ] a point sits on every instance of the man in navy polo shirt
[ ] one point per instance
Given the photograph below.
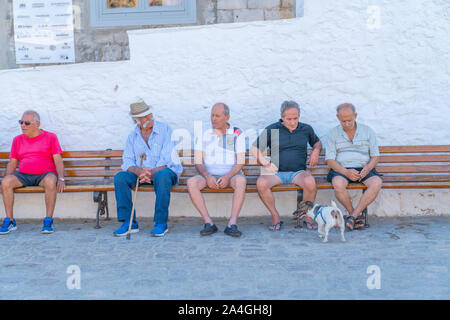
(287, 140)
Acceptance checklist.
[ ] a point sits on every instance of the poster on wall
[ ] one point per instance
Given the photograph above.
(43, 31)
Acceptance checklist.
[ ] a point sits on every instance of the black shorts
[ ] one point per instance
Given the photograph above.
(333, 174)
(30, 180)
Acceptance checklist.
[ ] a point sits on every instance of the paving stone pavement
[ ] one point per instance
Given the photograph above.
(412, 255)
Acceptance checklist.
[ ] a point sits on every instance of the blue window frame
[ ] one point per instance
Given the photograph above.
(142, 14)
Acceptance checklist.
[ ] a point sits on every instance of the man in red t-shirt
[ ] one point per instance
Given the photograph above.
(38, 154)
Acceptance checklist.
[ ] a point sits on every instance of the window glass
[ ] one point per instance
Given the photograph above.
(113, 4)
(165, 3)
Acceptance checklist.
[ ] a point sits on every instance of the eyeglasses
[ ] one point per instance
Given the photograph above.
(27, 123)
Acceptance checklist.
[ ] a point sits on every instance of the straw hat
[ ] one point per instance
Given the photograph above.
(140, 109)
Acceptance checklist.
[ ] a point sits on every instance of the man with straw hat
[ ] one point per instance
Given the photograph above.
(161, 167)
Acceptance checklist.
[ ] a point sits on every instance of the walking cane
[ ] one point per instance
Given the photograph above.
(143, 157)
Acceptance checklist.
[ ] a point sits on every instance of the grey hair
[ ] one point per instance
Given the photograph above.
(287, 105)
(226, 109)
(34, 114)
(345, 105)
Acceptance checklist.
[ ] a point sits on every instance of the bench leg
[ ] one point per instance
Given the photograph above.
(106, 206)
(101, 197)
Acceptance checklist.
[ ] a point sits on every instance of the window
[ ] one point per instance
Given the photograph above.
(111, 13)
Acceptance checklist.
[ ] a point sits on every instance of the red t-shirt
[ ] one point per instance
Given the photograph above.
(35, 155)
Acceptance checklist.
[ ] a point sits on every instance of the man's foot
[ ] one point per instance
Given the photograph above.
(309, 223)
(8, 226)
(123, 230)
(232, 231)
(159, 230)
(276, 226)
(48, 226)
(208, 229)
(350, 222)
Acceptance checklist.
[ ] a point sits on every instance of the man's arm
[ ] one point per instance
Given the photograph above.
(314, 156)
(59, 164)
(262, 160)
(369, 166)
(11, 166)
(199, 165)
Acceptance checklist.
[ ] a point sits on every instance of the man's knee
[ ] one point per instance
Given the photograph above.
(308, 183)
(339, 184)
(262, 184)
(239, 182)
(121, 177)
(49, 182)
(163, 177)
(9, 182)
(375, 183)
(194, 183)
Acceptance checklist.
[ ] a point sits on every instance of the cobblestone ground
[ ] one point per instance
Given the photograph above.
(412, 254)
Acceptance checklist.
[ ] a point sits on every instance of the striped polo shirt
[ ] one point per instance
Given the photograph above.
(351, 154)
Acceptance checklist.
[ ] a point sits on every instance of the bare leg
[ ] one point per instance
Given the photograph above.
(373, 187)
(9, 183)
(341, 193)
(195, 184)
(264, 185)
(49, 184)
(238, 183)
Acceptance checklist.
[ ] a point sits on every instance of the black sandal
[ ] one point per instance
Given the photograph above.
(350, 222)
(359, 223)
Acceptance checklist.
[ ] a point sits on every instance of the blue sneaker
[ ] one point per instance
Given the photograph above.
(123, 230)
(8, 226)
(159, 230)
(48, 226)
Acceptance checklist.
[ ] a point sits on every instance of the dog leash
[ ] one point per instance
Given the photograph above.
(320, 212)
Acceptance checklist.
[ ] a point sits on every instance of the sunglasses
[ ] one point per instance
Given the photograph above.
(27, 123)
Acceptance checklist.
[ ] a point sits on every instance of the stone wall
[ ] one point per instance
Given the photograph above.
(253, 10)
(397, 75)
(111, 44)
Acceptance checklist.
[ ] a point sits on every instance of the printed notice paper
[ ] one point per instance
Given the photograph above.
(43, 31)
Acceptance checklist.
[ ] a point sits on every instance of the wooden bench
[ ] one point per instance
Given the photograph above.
(402, 167)
(85, 171)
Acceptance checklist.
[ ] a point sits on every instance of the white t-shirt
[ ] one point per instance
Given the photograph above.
(220, 151)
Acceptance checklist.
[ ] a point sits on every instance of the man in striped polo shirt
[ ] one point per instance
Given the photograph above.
(352, 154)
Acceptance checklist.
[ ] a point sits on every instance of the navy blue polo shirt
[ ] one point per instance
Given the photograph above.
(289, 153)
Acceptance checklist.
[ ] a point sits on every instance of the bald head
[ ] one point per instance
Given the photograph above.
(345, 107)
(220, 114)
(347, 116)
(223, 107)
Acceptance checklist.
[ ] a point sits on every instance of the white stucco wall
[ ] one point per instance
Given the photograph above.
(397, 75)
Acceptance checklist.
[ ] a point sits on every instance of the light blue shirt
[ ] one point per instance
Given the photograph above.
(160, 150)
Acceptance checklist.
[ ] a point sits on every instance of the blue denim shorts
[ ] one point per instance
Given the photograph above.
(287, 176)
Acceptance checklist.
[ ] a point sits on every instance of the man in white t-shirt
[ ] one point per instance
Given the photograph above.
(219, 158)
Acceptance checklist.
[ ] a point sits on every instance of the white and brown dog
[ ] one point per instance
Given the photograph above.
(325, 216)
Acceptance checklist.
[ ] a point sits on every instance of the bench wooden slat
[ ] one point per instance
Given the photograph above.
(414, 169)
(90, 173)
(93, 154)
(415, 149)
(92, 163)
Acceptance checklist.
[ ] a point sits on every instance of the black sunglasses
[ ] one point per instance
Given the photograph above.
(27, 123)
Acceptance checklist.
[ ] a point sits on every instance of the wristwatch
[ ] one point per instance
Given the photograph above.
(61, 179)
